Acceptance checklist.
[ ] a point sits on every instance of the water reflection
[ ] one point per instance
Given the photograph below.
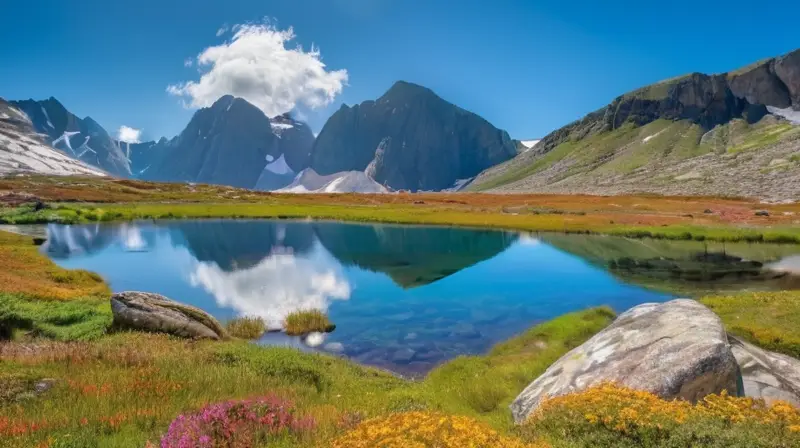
(403, 298)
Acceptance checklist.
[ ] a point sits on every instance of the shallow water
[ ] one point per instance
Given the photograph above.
(403, 298)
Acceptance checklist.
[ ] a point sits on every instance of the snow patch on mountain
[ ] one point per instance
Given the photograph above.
(309, 181)
(47, 117)
(279, 166)
(788, 113)
(528, 144)
(65, 139)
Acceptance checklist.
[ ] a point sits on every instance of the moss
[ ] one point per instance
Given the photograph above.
(768, 319)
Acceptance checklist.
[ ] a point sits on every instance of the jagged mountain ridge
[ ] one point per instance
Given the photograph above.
(24, 151)
(81, 138)
(726, 134)
(409, 138)
(230, 143)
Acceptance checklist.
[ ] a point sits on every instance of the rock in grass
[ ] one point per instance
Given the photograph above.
(677, 349)
(767, 375)
(144, 311)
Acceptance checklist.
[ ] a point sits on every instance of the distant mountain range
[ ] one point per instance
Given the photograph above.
(408, 139)
(735, 133)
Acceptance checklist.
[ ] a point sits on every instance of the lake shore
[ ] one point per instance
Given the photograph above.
(682, 218)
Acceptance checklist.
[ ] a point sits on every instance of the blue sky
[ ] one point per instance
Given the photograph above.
(526, 66)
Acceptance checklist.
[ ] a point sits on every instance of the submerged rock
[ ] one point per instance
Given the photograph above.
(677, 349)
(145, 311)
(767, 375)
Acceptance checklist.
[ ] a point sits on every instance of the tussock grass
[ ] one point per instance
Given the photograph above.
(307, 321)
(246, 327)
(767, 319)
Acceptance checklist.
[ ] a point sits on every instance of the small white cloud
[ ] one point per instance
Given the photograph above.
(222, 30)
(257, 65)
(129, 135)
(188, 62)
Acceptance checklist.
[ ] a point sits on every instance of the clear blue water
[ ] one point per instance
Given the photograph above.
(403, 298)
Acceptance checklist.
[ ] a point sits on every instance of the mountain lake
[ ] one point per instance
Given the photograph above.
(405, 298)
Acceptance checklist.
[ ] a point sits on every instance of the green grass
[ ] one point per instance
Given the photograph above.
(246, 327)
(307, 321)
(149, 379)
(767, 319)
(65, 320)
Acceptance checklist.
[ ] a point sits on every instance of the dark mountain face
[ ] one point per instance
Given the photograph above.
(83, 139)
(410, 139)
(229, 143)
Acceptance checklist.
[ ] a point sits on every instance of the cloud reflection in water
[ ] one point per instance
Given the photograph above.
(276, 286)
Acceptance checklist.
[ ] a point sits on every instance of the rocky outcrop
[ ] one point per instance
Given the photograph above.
(677, 349)
(767, 375)
(410, 138)
(144, 311)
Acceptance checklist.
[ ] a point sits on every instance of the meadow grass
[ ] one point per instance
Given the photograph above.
(768, 319)
(124, 389)
(307, 321)
(246, 327)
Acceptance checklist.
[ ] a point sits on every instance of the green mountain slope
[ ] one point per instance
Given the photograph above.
(730, 134)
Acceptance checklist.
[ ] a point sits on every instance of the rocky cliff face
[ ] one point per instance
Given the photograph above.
(231, 143)
(688, 135)
(410, 139)
(83, 139)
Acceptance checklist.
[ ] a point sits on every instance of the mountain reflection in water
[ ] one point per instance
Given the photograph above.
(403, 298)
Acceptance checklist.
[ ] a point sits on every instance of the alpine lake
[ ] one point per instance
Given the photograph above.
(406, 298)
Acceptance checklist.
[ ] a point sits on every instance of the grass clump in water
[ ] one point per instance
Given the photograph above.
(768, 319)
(247, 327)
(307, 321)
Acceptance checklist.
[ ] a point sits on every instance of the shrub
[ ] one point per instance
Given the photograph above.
(243, 423)
(426, 429)
(307, 321)
(246, 327)
(613, 416)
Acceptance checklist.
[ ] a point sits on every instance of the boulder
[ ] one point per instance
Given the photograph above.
(145, 311)
(767, 375)
(677, 349)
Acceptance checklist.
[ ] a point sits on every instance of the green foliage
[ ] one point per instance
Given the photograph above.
(767, 319)
(76, 319)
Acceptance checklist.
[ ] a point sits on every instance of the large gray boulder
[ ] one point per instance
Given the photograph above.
(144, 311)
(677, 349)
(767, 375)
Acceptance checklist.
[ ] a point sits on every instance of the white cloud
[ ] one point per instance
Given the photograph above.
(222, 30)
(257, 65)
(188, 62)
(129, 135)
